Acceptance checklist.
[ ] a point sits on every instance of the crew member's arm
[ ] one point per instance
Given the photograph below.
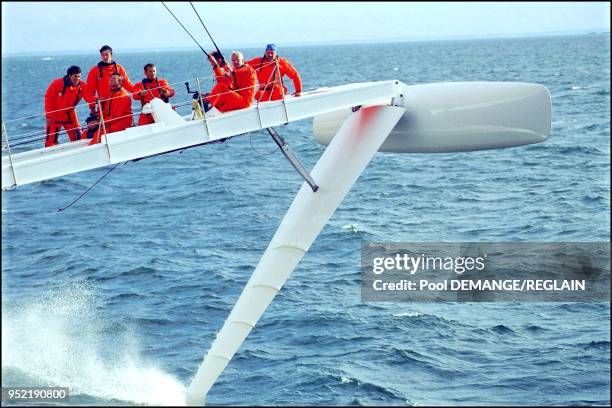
(254, 63)
(251, 83)
(92, 86)
(138, 91)
(166, 88)
(51, 100)
(127, 84)
(86, 93)
(287, 69)
(222, 73)
(125, 112)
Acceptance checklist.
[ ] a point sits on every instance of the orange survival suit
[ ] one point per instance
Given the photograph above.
(60, 99)
(116, 112)
(269, 75)
(153, 88)
(237, 93)
(98, 80)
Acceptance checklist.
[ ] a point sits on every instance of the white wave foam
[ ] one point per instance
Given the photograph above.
(408, 314)
(345, 380)
(353, 228)
(62, 341)
(574, 88)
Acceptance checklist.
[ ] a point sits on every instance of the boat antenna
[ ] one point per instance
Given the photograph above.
(187, 31)
(207, 32)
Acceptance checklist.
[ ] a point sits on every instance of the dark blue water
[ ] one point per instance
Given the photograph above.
(120, 296)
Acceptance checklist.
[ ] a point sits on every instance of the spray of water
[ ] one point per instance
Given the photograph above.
(63, 340)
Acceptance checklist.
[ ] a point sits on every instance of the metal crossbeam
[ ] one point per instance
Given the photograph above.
(292, 158)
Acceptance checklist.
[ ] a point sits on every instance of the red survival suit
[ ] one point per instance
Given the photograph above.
(269, 75)
(60, 99)
(98, 80)
(153, 90)
(117, 114)
(238, 93)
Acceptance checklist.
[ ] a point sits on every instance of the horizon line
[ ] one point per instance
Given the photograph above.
(594, 31)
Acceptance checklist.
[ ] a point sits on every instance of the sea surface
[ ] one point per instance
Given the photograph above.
(119, 296)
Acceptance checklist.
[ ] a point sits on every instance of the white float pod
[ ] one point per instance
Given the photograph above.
(162, 112)
(460, 116)
(341, 164)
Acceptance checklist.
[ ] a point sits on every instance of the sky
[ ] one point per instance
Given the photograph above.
(57, 27)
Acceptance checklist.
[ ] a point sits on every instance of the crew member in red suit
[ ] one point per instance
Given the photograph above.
(151, 87)
(220, 68)
(270, 71)
(238, 93)
(117, 112)
(61, 97)
(98, 79)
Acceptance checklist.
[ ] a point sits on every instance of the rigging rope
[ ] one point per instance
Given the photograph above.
(187, 31)
(89, 189)
(207, 32)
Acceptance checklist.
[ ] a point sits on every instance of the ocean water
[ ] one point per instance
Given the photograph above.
(120, 296)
